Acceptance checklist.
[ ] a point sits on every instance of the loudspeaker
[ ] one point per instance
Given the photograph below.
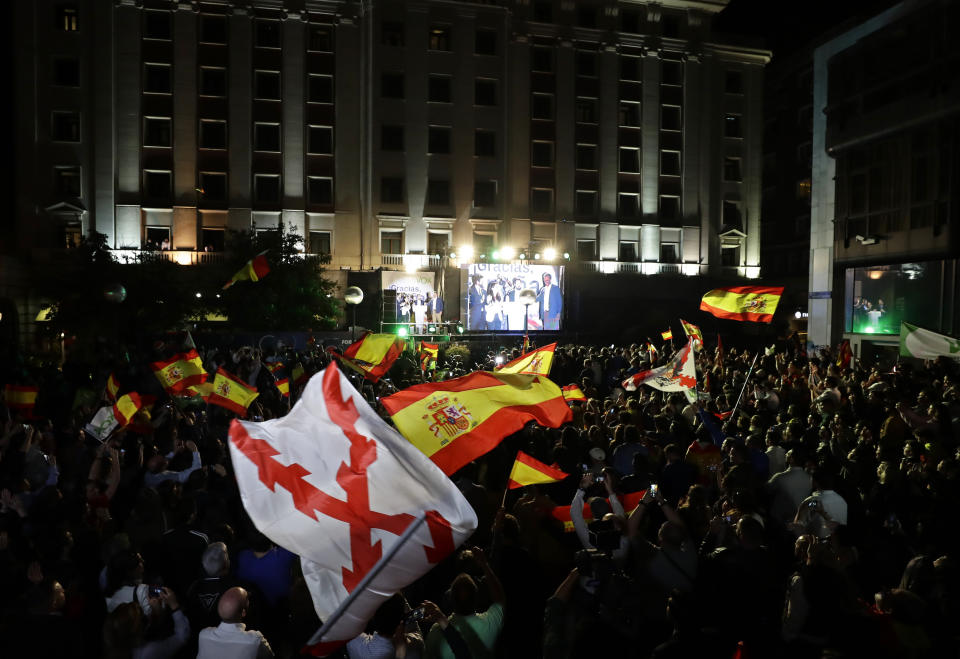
(389, 306)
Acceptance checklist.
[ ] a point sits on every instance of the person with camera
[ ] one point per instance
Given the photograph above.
(672, 560)
(608, 530)
(824, 510)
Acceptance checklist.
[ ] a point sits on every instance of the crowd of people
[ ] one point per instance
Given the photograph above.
(796, 508)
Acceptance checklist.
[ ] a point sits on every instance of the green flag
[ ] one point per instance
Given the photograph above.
(924, 344)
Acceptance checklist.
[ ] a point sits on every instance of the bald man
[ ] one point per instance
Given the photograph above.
(231, 639)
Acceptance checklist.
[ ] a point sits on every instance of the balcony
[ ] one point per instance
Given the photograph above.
(644, 268)
(179, 256)
(410, 261)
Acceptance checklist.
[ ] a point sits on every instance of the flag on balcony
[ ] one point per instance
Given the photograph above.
(254, 270)
(752, 303)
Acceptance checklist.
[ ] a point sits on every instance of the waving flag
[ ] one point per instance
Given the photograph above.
(283, 386)
(562, 513)
(459, 420)
(333, 483)
(573, 394)
(668, 335)
(373, 355)
(527, 470)
(924, 344)
(127, 407)
(298, 374)
(678, 374)
(103, 423)
(754, 303)
(21, 398)
(113, 387)
(652, 351)
(274, 367)
(253, 270)
(428, 355)
(692, 330)
(180, 371)
(536, 362)
(229, 392)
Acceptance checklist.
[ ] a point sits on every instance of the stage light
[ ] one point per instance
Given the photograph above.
(453, 255)
(549, 253)
(496, 255)
(507, 253)
(459, 328)
(523, 255)
(868, 329)
(432, 329)
(466, 251)
(402, 331)
(199, 294)
(566, 255)
(536, 256)
(498, 360)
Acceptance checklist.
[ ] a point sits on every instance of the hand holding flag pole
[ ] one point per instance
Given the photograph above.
(733, 412)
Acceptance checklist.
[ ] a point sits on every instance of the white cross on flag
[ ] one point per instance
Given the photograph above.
(333, 483)
(679, 374)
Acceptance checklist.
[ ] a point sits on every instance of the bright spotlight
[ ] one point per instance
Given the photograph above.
(498, 360)
(199, 294)
(410, 267)
(402, 331)
(466, 251)
(566, 255)
(536, 256)
(496, 255)
(508, 253)
(549, 253)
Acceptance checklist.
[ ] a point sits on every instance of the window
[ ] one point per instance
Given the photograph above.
(670, 163)
(485, 91)
(438, 139)
(391, 189)
(438, 192)
(541, 106)
(391, 85)
(485, 42)
(541, 59)
(669, 207)
(267, 34)
(483, 242)
(629, 160)
(391, 138)
(587, 250)
(320, 38)
(391, 34)
(543, 11)
(732, 126)
(66, 72)
(585, 202)
(156, 78)
(586, 156)
(586, 63)
(320, 189)
(391, 242)
(671, 26)
(541, 154)
(669, 252)
(266, 188)
(541, 200)
(65, 127)
(733, 82)
(485, 143)
(670, 117)
(213, 240)
(671, 72)
(155, 237)
(587, 17)
(730, 255)
(586, 110)
(630, 68)
(213, 29)
(439, 37)
(157, 25)
(731, 170)
(266, 85)
(213, 186)
(629, 21)
(320, 88)
(319, 242)
(439, 89)
(156, 131)
(66, 181)
(628, 250)
(157, 184)
(213, 81)
(484, 194)
(629, 114)
(213, 134)
(67, 18)
(437, 243)
(320, 140)
(731, 213)
(266, 137)
(628, 204)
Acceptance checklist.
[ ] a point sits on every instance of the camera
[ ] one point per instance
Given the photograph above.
(604, 535)
(415, 614)
(156, 590)
(811, 504)
(654, 488)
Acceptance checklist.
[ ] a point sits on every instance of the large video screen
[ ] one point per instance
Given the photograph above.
(491, 294)
(879, 297)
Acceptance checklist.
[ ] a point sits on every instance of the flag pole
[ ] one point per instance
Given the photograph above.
(367, 579)
(733, 412)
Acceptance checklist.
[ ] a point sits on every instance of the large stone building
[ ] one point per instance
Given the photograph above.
(390, 133)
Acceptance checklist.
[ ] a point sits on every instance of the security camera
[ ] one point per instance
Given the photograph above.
(868, 240)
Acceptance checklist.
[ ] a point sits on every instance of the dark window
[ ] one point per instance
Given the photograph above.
(156, 132)
(670, 118)
(483, 242)
(65, 127)
(438, 192)
(213, 240)
(587, 250)
(541, 154)
(629, 204)
(267, 34)
(319, 242)
(267, 85)
(628, 250)
(213, 186)
(157, 24)
(669, 253)
(629, 21)
(213, 135)
(669, 207)
(213, 29)
(485, 143)
(730, 255)
(320, 38)
(731, 170)
(586, 156)
(66, 72)
(437, 243)
(630, 68)
(670, 163)
(391, 34)
(630, 161)
(586, 202)
(671, 26)
(391, 189)
(630, 114)
(586, 63)
(266, 137)
(733, 82)
(671, 72)
(541, 200)
(321, 191)
(438, 139)
(586, 110)
(541, 59)
(543, 11)
(732, 126)
(439, 37)
(391, 138)
(157, 185)
(486, 42)
(320, 140)
(266, 188)
(587, 17)
(213, 82)
(391, 242)
(321, 89)
(391, 85)
(484, 194)
(731, 213)
(67, 18)
(542, 106)
(485, 91)
(156, 78)
(67, 181)
(439, 89)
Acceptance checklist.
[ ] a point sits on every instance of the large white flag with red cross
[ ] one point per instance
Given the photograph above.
(333, 483)
(679, 374)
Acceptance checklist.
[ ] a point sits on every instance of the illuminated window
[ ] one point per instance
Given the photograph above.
(67, 18)
(439, 37)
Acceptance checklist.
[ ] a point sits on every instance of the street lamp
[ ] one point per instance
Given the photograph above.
(353, 296)
(526, 297)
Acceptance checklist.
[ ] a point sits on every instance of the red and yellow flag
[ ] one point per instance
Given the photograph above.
(298, 374)
(203, 390)
(180, 371)
(373, 355)
(284, 387)
(428, 355)
(562, 513)
(127, 407)
(231, 393)
(113, 387)
(692, 330)
(274, 367)
(253, 270)
(535, 362)
(21, 398)
(573, 394)
(753, 303)
(456, 421)
(668, 335)
(527, 470)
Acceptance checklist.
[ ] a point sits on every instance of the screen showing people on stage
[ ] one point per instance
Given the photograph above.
(493, 303)
(879, 297)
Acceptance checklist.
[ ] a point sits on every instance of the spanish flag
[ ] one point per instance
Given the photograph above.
(231, 393)
(428, 355)
(254, 270)
(456, 421)
(284, 387)
(127, 407)
(113, 387)
(692, 330)
(668, 335)
(298, 374)
(754, 303)
(527, 470)
(373, 355)
(573, 394)
(203, 390)
(536, 362)
(180, 371)
(562, 513)
(274, 367)
(21, 398)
